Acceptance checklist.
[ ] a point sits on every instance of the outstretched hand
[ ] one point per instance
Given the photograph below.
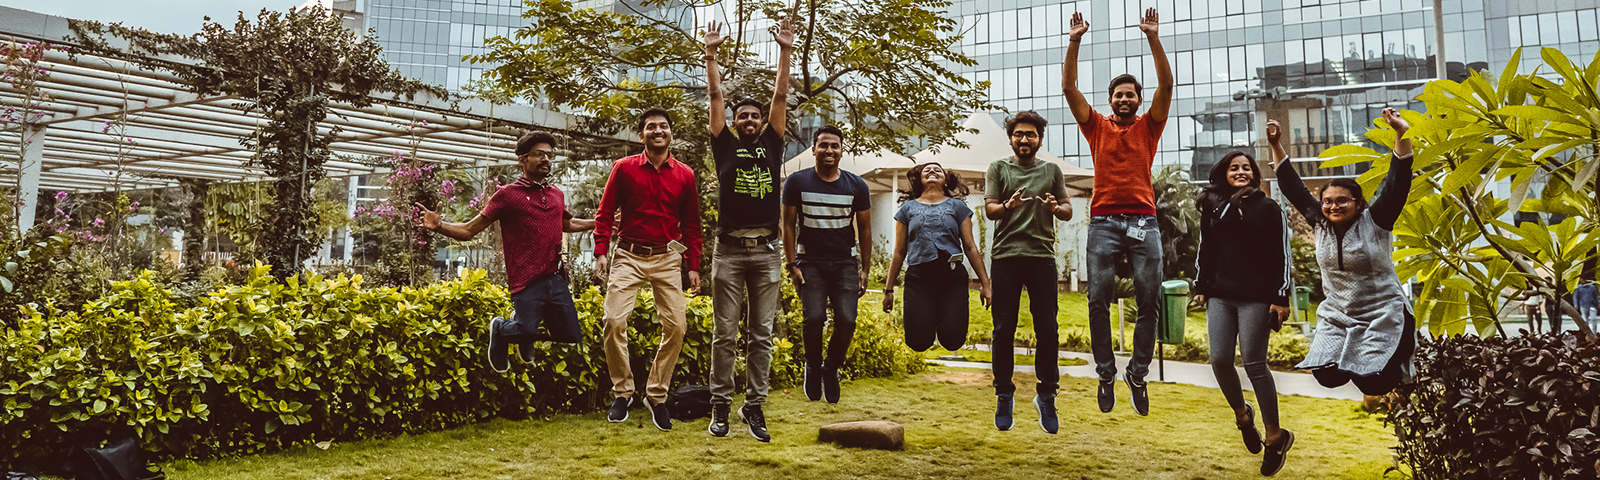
(1150, 21)
(785, 36)
(430, 219)
(713, 37)
(1077, 27)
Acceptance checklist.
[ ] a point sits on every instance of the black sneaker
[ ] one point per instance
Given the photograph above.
(813, 383)
(499, 352)
(1272, 462)
(661, 417)
(1108, 395)
(619, 410)
(1002, 411)
(830, 385)
(752, 416)
(1252, 437)
(1046, 405)
(525, 352)
(1138, 394)
(719, 420)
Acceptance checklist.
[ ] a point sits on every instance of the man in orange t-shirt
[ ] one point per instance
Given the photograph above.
(1122, 222)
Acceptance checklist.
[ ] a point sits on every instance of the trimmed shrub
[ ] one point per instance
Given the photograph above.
(1491, 408)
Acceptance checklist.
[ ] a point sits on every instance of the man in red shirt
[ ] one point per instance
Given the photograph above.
(653, 201)
(532, 216)
(1122, 212)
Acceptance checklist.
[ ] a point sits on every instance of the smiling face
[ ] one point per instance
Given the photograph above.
(657, 132)
(1241, 172)
(829, 150)
(1025, 140)
(747, 120)
(1339, 205)
(536, 163)
(1125, 100)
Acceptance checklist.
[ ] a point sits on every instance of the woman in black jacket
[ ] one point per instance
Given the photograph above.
(1244, 278)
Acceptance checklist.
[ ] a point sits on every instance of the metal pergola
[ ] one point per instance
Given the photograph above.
(109, 124)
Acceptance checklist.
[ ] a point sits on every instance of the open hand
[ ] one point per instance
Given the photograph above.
(714, 37)
(1049, 202)
(1150, 22)
(785, 36)
(430, 219)
(1078, 27)
(1015, 197)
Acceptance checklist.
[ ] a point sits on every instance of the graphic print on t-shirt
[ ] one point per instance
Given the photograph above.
(755, 181)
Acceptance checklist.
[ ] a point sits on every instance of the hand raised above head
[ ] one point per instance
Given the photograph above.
(1077, 27)
(1274, 131)
(785, 36)
(713, 38)
(1392, 117)
(1150, 22)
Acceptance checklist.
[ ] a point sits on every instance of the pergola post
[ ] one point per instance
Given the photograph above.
(350, 208)
(29, 171)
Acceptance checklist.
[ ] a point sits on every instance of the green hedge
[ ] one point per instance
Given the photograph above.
(269, 364)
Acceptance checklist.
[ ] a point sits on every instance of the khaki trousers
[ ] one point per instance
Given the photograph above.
(629, 272)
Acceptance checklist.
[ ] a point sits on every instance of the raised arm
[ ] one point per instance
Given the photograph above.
(1162, 100)
(1288, 180)
(459, 231)
(719, 113)
(1391, 200)
(1081, 111)
(778, 110)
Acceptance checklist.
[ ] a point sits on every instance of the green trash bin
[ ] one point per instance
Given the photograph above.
(1302, 298)
(1175, 309)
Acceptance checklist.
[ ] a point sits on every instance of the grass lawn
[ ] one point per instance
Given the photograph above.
(986, 357)
(1072, 314)
(949, 434)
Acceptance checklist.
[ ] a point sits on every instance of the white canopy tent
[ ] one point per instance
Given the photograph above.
(108, 124)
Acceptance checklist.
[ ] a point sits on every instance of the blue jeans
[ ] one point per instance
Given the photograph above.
(829, 285)
(1108, 243)
(545, 302)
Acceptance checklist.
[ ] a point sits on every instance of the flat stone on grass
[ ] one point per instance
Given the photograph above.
(879, 435)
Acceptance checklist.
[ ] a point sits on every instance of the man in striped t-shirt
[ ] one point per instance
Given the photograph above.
(826, 225)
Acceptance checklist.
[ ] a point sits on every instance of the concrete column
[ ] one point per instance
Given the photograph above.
(30, 170)
(350, 208)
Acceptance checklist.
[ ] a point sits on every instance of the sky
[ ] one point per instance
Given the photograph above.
(161, 16)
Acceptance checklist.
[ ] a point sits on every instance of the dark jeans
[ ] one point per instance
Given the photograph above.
(936, 305)
(829, 285)
(1385, 380)
(545, 301)
(1010, 277)
(1108, 243)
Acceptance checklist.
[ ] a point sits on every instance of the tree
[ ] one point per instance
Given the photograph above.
(288, 67)
(874, 67)
(1523, 129)
(1179, 221)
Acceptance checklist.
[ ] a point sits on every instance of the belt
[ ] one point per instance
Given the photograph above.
(641, 250)
(747, 242)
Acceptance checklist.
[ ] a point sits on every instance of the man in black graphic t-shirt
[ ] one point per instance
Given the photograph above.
(749, 158)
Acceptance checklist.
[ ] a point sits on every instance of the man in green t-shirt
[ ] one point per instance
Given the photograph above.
(1025, 196)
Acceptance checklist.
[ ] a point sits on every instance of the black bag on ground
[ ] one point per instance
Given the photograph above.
(122, 460)
(690, 402)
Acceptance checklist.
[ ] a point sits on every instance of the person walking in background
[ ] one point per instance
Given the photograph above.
(1366, 331)
(933, 232)
(1587, 298)
(1243, 278)
(532, 215)
(1025, 196)
(658, 232)
(1123, 222)
(749, 158)
(827, 243)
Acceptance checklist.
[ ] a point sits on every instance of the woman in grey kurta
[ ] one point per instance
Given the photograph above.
(1365, 329)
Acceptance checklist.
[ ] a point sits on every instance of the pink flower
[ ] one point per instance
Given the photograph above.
(60, 195)
(99, 222)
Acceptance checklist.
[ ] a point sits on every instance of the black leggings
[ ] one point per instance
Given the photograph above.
(1384, 381)
(936, 305)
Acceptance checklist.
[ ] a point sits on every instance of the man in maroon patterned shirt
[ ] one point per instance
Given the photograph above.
(657, 233)
(532, 216)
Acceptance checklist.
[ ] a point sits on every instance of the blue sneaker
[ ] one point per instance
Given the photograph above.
(1002, 411)
(1046, 405)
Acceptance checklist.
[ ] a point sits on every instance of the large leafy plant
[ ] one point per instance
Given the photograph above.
(1520, 130)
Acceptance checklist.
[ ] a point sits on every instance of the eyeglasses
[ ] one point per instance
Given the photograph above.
(1341, 202)
(1024, 135)
(538, 155)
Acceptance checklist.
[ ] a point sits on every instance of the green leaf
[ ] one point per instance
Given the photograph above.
(1342, 155)
(6, 284)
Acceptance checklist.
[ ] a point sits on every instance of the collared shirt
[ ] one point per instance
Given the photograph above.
(532, 216)
(657, 206)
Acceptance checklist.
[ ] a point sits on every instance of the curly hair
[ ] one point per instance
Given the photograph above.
(953, 186)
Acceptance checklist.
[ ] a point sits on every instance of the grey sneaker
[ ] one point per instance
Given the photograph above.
(1002, 411)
